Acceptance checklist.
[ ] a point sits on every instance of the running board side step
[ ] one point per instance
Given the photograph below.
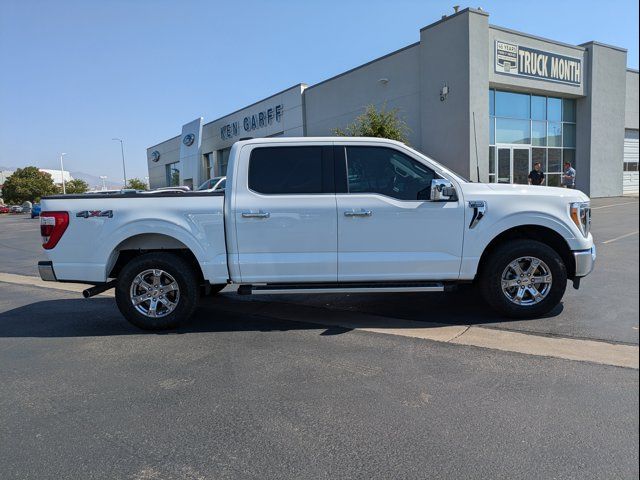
(344, 288)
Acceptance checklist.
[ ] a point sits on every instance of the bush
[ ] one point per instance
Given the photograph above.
(381, 123)
(76, 185)
(137, 184)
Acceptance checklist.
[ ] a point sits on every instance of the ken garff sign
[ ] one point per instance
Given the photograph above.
(527, 62)
(252, 122)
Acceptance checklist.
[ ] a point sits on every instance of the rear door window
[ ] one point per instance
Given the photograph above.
(291, 170)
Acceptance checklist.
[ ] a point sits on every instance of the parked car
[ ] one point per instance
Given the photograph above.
(215, 183)
(5, 209)
(17, 209)
(175, 188)
(35, 210)
(322, 215)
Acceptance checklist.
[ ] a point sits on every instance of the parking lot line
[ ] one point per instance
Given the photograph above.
(612, 205)
(565, 348)
(620, 237)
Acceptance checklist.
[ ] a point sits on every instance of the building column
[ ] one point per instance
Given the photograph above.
(600, 122)
(453, 56)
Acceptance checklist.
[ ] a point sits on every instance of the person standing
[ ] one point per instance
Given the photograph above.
(536, 176)
(569, 176)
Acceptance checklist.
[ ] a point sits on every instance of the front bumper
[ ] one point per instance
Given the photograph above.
(45, 269)
(585, 261)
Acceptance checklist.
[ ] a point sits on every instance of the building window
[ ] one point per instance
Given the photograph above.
(223, 161)
(207, 165)
(513, 105)
(630, 150)
(509, 130)
(173, 174)
(518, 120)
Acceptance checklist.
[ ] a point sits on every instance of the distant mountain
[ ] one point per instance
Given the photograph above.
(95, 181)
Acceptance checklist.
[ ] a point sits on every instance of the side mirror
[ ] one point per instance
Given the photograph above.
(442, 190)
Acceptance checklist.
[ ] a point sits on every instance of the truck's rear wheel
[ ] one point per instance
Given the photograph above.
(523, 279)
(157, 291)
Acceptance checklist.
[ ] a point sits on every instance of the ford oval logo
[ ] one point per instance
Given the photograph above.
(189, 139)
(155, 156)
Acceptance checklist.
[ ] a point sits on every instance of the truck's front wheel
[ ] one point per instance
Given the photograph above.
(157, 291)
(523, 279)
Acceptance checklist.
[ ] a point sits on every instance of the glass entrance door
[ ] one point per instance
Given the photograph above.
(521, 167)
(504, 165)
(514, 164)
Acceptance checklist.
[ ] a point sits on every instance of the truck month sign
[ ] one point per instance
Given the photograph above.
(528, 62)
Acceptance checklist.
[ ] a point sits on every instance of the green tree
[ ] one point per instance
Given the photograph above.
(381, 123)
(28, 184)
(77, 185)
(137, 184)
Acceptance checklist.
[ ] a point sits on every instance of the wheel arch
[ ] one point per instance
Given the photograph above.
(143, 243)
(539, 233)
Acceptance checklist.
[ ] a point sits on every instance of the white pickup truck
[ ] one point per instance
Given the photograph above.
(317, 215)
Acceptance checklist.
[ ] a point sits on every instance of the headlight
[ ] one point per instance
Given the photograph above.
(581, 216)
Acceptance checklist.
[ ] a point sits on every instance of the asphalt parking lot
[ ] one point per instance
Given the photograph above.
(239, 393)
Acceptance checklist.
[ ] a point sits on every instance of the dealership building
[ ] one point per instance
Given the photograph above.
(483, 100)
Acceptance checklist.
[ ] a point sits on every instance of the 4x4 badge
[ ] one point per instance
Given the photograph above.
(95, 213)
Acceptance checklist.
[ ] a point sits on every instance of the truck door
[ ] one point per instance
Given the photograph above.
(285, 214)
(387, 227)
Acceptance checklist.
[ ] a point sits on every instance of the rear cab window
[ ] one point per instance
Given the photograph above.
(291, 170)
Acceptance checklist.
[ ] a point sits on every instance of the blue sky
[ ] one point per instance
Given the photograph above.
(75, 74)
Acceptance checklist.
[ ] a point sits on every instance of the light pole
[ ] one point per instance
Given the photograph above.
(64, 188)
(103, 178)
(124, 169)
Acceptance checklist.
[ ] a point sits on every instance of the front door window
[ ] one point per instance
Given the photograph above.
(387, 172)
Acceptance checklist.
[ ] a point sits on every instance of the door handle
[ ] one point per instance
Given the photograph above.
(259, 214)
(358, 213)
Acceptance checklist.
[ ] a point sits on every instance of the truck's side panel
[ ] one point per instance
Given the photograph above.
(87, 250)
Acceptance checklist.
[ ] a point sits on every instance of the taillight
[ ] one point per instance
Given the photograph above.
(52, 226)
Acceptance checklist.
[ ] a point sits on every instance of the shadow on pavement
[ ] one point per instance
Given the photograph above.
(228, 312)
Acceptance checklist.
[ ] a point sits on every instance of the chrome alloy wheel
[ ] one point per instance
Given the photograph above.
(154, 293)
(526, 281)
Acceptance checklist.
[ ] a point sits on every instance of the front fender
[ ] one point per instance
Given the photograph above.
(478, 239)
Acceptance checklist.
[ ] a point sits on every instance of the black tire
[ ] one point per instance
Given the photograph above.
(501, 258)
(173, 265)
